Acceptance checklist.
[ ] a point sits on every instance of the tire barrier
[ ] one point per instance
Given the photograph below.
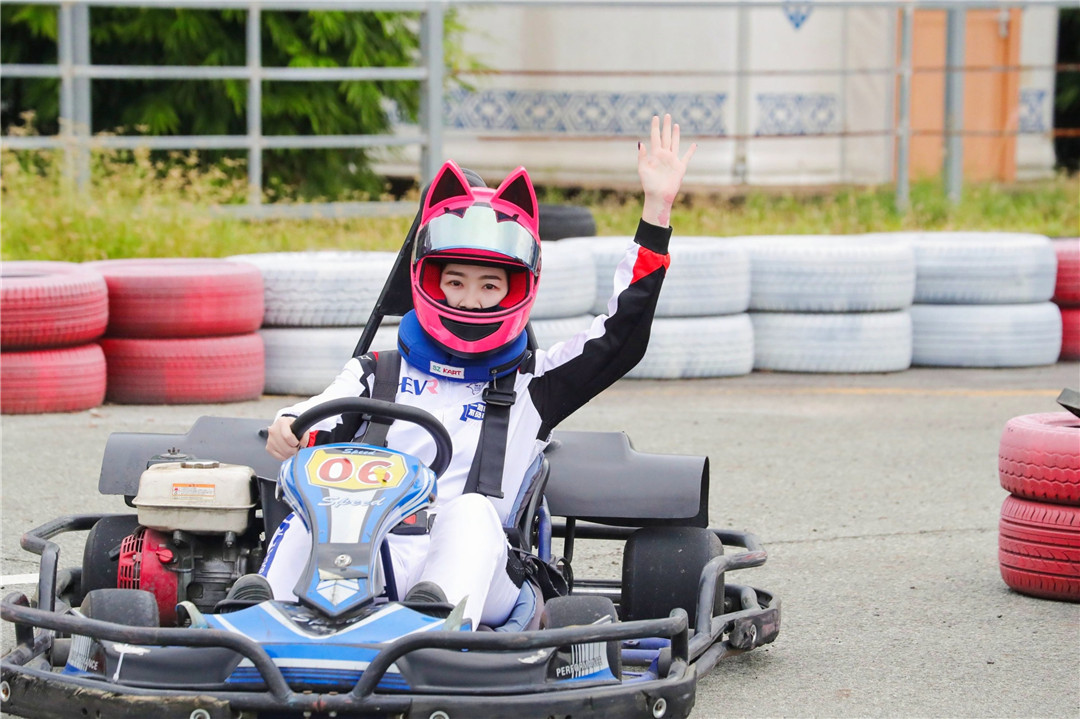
(832, 342)
(186, 370)
(1023, 335)
(305, 360)
(181, 297)
(320, 289)
(707, 276)
(1067, 294)
(182, 331)
(1067, 287)
(567, 283)
(679, 348)
(997, 268)
(1039, 457)
(971, 291)
(51, 313)
(51, 304)
(1039, 530)
(830, 274)
(66, 379)
(560, 221)
(831, 304)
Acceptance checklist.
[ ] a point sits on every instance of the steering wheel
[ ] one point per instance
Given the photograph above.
(383, 410)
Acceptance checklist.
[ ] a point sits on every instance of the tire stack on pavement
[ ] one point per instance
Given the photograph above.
(1039, 531)
(182, 331)
(826, 304)
(316, 305)
(700, 328)
(982, 299)
(1067, 294)
(52, 313)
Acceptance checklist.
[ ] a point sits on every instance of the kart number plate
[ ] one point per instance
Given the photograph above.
(355, 473)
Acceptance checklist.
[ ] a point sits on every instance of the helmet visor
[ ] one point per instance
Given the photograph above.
(479, 229)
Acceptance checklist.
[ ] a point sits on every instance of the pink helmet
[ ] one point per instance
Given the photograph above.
(476, 225)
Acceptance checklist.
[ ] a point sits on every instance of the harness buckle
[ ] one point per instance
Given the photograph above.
(499, 397)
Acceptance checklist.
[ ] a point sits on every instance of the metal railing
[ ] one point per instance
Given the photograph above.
(75, 70)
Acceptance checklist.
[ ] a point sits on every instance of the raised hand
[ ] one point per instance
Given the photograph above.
(661, 170)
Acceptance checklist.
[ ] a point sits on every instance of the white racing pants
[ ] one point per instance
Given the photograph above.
(465, 554)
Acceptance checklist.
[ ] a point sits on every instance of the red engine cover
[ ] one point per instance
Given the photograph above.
(143, 559)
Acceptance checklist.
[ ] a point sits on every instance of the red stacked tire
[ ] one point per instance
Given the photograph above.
(1067, 295)
(183, 331)
(1039, 532)
(52, 313)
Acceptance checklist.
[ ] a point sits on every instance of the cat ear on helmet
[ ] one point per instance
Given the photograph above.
(449, 189)
(516, 197)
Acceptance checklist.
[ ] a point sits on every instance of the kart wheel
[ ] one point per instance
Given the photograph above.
(102, 550)
(576, 611)
(130, 607)
(662, 568)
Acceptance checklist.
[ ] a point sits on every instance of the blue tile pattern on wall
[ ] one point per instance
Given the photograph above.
(797, 12)
(1033, 110)
(586, 113)
(797, 113)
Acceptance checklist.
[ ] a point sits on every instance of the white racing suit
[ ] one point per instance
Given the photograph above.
(466, 551)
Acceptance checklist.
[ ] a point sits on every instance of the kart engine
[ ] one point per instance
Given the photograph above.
(196, 534)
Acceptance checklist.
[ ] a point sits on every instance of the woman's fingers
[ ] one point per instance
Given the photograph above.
(665, 134)
(654, 134)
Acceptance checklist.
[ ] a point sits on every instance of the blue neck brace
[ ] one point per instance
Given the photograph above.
(419, 350)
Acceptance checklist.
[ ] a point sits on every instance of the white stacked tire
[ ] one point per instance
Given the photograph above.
(52, 314)
(824, 304)
(182, 331)
(1067, 294)
(700, 328)
(1039, 531)
(982, 299)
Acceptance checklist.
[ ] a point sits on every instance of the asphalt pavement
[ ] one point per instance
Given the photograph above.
(876, 497)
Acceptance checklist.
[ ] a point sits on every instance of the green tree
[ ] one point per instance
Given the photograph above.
(165, 36)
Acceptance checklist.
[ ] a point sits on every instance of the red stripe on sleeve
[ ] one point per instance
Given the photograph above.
(648, 262)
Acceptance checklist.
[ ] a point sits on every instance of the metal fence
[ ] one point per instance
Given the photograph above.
(76, 71)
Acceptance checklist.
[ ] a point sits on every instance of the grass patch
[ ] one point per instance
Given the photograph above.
(139, 205)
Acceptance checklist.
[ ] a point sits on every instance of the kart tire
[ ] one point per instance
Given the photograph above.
(51, 304)
(827, 273)
(67, 379)
(184, 371)
(1039, 548)
(320, 289)
(130, 607)
(560, 221)
(707, 276)
(1067, 289)
(980, 267)
(305, 360)
(1020, 335)
(101, 551)
(181, 297)
(1039, 457)
(662, 570)
(568, 283)
(582, 611)
(1070, 333)
(832, 342)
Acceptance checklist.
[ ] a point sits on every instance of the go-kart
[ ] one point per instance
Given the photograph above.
(145, 627)
(151, 624)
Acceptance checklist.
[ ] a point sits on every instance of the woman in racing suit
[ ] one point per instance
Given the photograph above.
(450, 353)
